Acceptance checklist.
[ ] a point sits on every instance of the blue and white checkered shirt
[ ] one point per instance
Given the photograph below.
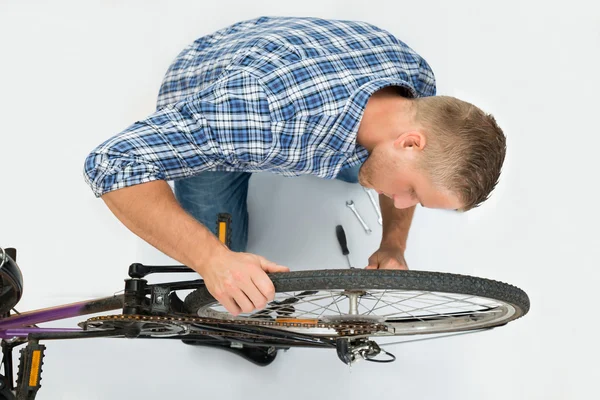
(276, 94)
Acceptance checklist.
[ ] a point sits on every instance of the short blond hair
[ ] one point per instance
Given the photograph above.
(465, 147)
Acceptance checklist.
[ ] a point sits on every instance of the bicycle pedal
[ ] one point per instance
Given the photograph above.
(30, 371)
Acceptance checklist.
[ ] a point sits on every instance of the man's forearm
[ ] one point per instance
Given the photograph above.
(396, 223)
(151, 211)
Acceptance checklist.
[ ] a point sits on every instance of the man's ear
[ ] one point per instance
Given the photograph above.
(411, 139)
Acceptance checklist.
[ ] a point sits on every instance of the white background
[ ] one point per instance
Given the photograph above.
(74, 73)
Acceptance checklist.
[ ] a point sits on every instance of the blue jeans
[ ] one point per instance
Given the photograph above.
(206, 195)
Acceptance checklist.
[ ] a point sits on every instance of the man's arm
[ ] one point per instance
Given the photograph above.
(151, 211)
(237, 280)
(129, 170)
(396, 223)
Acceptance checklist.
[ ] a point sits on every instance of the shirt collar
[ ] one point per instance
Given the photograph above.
(342, 137)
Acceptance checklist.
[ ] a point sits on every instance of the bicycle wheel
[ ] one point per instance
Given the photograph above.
(398, 302)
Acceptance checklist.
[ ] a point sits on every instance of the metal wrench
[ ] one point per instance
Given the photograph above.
(350, 205)
(377, 210)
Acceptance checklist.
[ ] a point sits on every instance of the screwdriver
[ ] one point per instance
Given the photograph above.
(341, 236)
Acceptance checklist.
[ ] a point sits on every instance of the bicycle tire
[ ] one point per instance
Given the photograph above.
(360, 279)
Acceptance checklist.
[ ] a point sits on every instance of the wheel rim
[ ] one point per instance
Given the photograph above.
(404, 312)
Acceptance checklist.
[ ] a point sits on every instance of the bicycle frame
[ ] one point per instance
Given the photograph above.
(20, 325)
(159, 302)
(21, 328)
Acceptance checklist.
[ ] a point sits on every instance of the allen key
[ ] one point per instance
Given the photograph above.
(375, 205)
(350, 205)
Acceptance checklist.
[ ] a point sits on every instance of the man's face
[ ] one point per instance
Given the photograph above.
(394, 174)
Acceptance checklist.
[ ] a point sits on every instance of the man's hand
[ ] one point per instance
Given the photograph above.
(388, 257)
(239, 280)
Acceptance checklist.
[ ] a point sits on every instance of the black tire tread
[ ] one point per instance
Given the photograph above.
(383, 279)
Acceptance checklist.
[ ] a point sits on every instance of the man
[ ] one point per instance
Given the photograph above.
(292, 96)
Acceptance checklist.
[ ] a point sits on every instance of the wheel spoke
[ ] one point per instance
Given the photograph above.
(326, 307)
(401, 310)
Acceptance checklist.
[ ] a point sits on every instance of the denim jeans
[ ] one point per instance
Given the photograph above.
(206, 195)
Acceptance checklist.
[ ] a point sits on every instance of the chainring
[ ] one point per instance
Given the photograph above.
(156, 326)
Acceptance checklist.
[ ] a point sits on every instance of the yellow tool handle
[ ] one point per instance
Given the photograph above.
(224, 228)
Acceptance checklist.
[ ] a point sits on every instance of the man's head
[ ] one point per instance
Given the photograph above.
(438, 151)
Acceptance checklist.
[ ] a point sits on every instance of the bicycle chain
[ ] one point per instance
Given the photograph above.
(342, 329)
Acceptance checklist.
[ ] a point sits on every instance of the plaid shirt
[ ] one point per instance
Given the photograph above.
(276, 94)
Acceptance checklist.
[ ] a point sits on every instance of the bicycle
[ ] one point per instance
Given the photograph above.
(337, 309)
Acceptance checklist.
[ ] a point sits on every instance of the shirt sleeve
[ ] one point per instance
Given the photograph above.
(226, 124)
(426, 80)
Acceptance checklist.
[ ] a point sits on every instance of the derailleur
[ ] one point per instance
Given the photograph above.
(352, 350)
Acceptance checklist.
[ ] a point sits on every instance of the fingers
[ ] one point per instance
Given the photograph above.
(259, 289)
(243, 299)
(276, 268)
(247, 294)
(249, 299)
(240, 282)
(229, 304)
(265, 286)
(270, 266)
(392, 264)
(388, 264)
(262, 281)
(244, 285)
(373, 262)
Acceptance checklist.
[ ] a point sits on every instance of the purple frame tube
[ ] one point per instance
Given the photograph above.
(20, 325)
